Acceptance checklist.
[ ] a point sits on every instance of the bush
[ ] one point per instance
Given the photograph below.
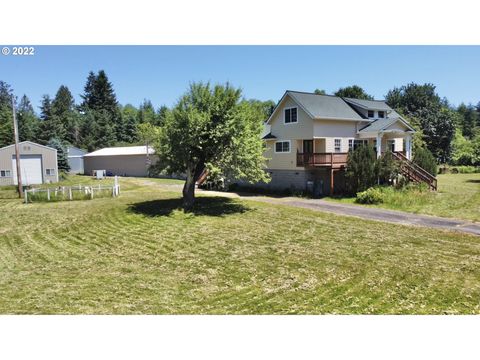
(424, 158)
(361, 170)
(388, 168)
(370, 196)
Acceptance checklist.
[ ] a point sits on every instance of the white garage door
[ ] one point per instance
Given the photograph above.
(30, 168)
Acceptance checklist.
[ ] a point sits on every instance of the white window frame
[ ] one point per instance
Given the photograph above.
(335, 145)
(283, 152)
(351, 144)
(52, 172)
(284, 118)
(5, 172)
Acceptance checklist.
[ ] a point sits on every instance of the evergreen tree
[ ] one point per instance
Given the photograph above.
(62, 156)
(50, 126)
(6, 115)
(63, 108)
(99, 100)
(161, 115)
(28, 122)
(130, 133)
(362, 169)
(146, 113)
(320, 92)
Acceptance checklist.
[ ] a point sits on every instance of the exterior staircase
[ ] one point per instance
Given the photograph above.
(413, 172)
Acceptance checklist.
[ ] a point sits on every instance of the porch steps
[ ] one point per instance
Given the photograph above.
(413, 172)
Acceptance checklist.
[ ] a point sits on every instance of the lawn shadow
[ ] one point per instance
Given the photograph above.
(475, 181)
(208, 206)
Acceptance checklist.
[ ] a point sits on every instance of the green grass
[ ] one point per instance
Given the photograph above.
(458, 196)
(139, 254)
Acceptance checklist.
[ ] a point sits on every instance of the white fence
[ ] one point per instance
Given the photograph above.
(80, 192)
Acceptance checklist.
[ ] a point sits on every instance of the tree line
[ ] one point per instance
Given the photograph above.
(451, 134)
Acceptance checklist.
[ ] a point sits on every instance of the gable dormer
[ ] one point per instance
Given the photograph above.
(370, 109)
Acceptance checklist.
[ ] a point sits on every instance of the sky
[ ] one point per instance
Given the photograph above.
(163, 73)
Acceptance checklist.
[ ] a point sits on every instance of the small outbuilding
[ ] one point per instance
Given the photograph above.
(38, 164)
(122, 161)
(75, 159)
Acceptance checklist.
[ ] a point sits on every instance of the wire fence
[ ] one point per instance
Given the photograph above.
(70, 193)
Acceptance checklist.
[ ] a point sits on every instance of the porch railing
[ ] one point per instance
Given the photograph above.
(322, 159)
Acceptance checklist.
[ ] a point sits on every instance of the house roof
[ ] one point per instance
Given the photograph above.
(321, 106)
(324, 106)
(269, 136)
(369, 104)
(382, 124)
(126, 150)
(30, 142)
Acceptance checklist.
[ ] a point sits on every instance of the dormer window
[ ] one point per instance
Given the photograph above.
(290, 115)
(381, 114)
(371, 113)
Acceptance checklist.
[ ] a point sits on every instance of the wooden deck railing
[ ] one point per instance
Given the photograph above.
(322, 159)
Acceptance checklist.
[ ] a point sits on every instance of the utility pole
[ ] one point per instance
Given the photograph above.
(17, 153)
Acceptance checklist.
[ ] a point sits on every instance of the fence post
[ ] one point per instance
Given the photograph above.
(26, 196)
(70, 193)
(48, 194)
(91, 193)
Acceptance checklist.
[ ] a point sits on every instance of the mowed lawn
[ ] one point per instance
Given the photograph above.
(458, 196)
(139, 254)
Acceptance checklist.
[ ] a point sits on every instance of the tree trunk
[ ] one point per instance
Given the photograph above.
(189, 191)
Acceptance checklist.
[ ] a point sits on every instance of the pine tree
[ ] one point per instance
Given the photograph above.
(6, 116)
(63, 107)
(99, 100)
(62, 156)
(28, 122)
(129, 114)
(51, 125)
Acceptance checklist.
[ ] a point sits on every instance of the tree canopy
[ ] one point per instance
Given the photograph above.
(211, 126)
(354, 92)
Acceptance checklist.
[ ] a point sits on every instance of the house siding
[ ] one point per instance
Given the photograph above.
(123, 165)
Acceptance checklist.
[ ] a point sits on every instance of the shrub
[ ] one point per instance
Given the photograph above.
(361, 170)
(424, 158)
(370, 196)
(387, 168)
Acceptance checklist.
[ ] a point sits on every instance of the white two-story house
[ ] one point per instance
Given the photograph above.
(308, 137)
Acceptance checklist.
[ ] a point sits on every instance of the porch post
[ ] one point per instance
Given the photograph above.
(379, 145)
(408, 146)
(331, 181)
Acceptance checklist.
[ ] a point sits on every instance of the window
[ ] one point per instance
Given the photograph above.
(5, 173)
(371, 113)
(381, 114)
(353, 144)
(290, 115)
(338, 145)
(50, 172)
(282, 147)
(391, 145)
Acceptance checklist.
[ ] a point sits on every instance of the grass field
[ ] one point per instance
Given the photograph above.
(458, 197)
(139, 254)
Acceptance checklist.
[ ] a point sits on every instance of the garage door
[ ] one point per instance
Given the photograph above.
(30, 168)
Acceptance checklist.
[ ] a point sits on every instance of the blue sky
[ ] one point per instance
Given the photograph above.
(162, 73)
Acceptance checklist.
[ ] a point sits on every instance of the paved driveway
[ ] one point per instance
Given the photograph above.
(364, 212)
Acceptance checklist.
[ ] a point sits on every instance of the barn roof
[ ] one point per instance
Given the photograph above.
(124, 150)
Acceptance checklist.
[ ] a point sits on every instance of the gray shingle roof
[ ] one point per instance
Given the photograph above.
(369, 104)
(269, 136)
(324, 106)
(382, 124)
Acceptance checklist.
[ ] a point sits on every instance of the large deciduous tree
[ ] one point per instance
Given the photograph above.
(211, 126)
(354, 92)
(435, 118)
